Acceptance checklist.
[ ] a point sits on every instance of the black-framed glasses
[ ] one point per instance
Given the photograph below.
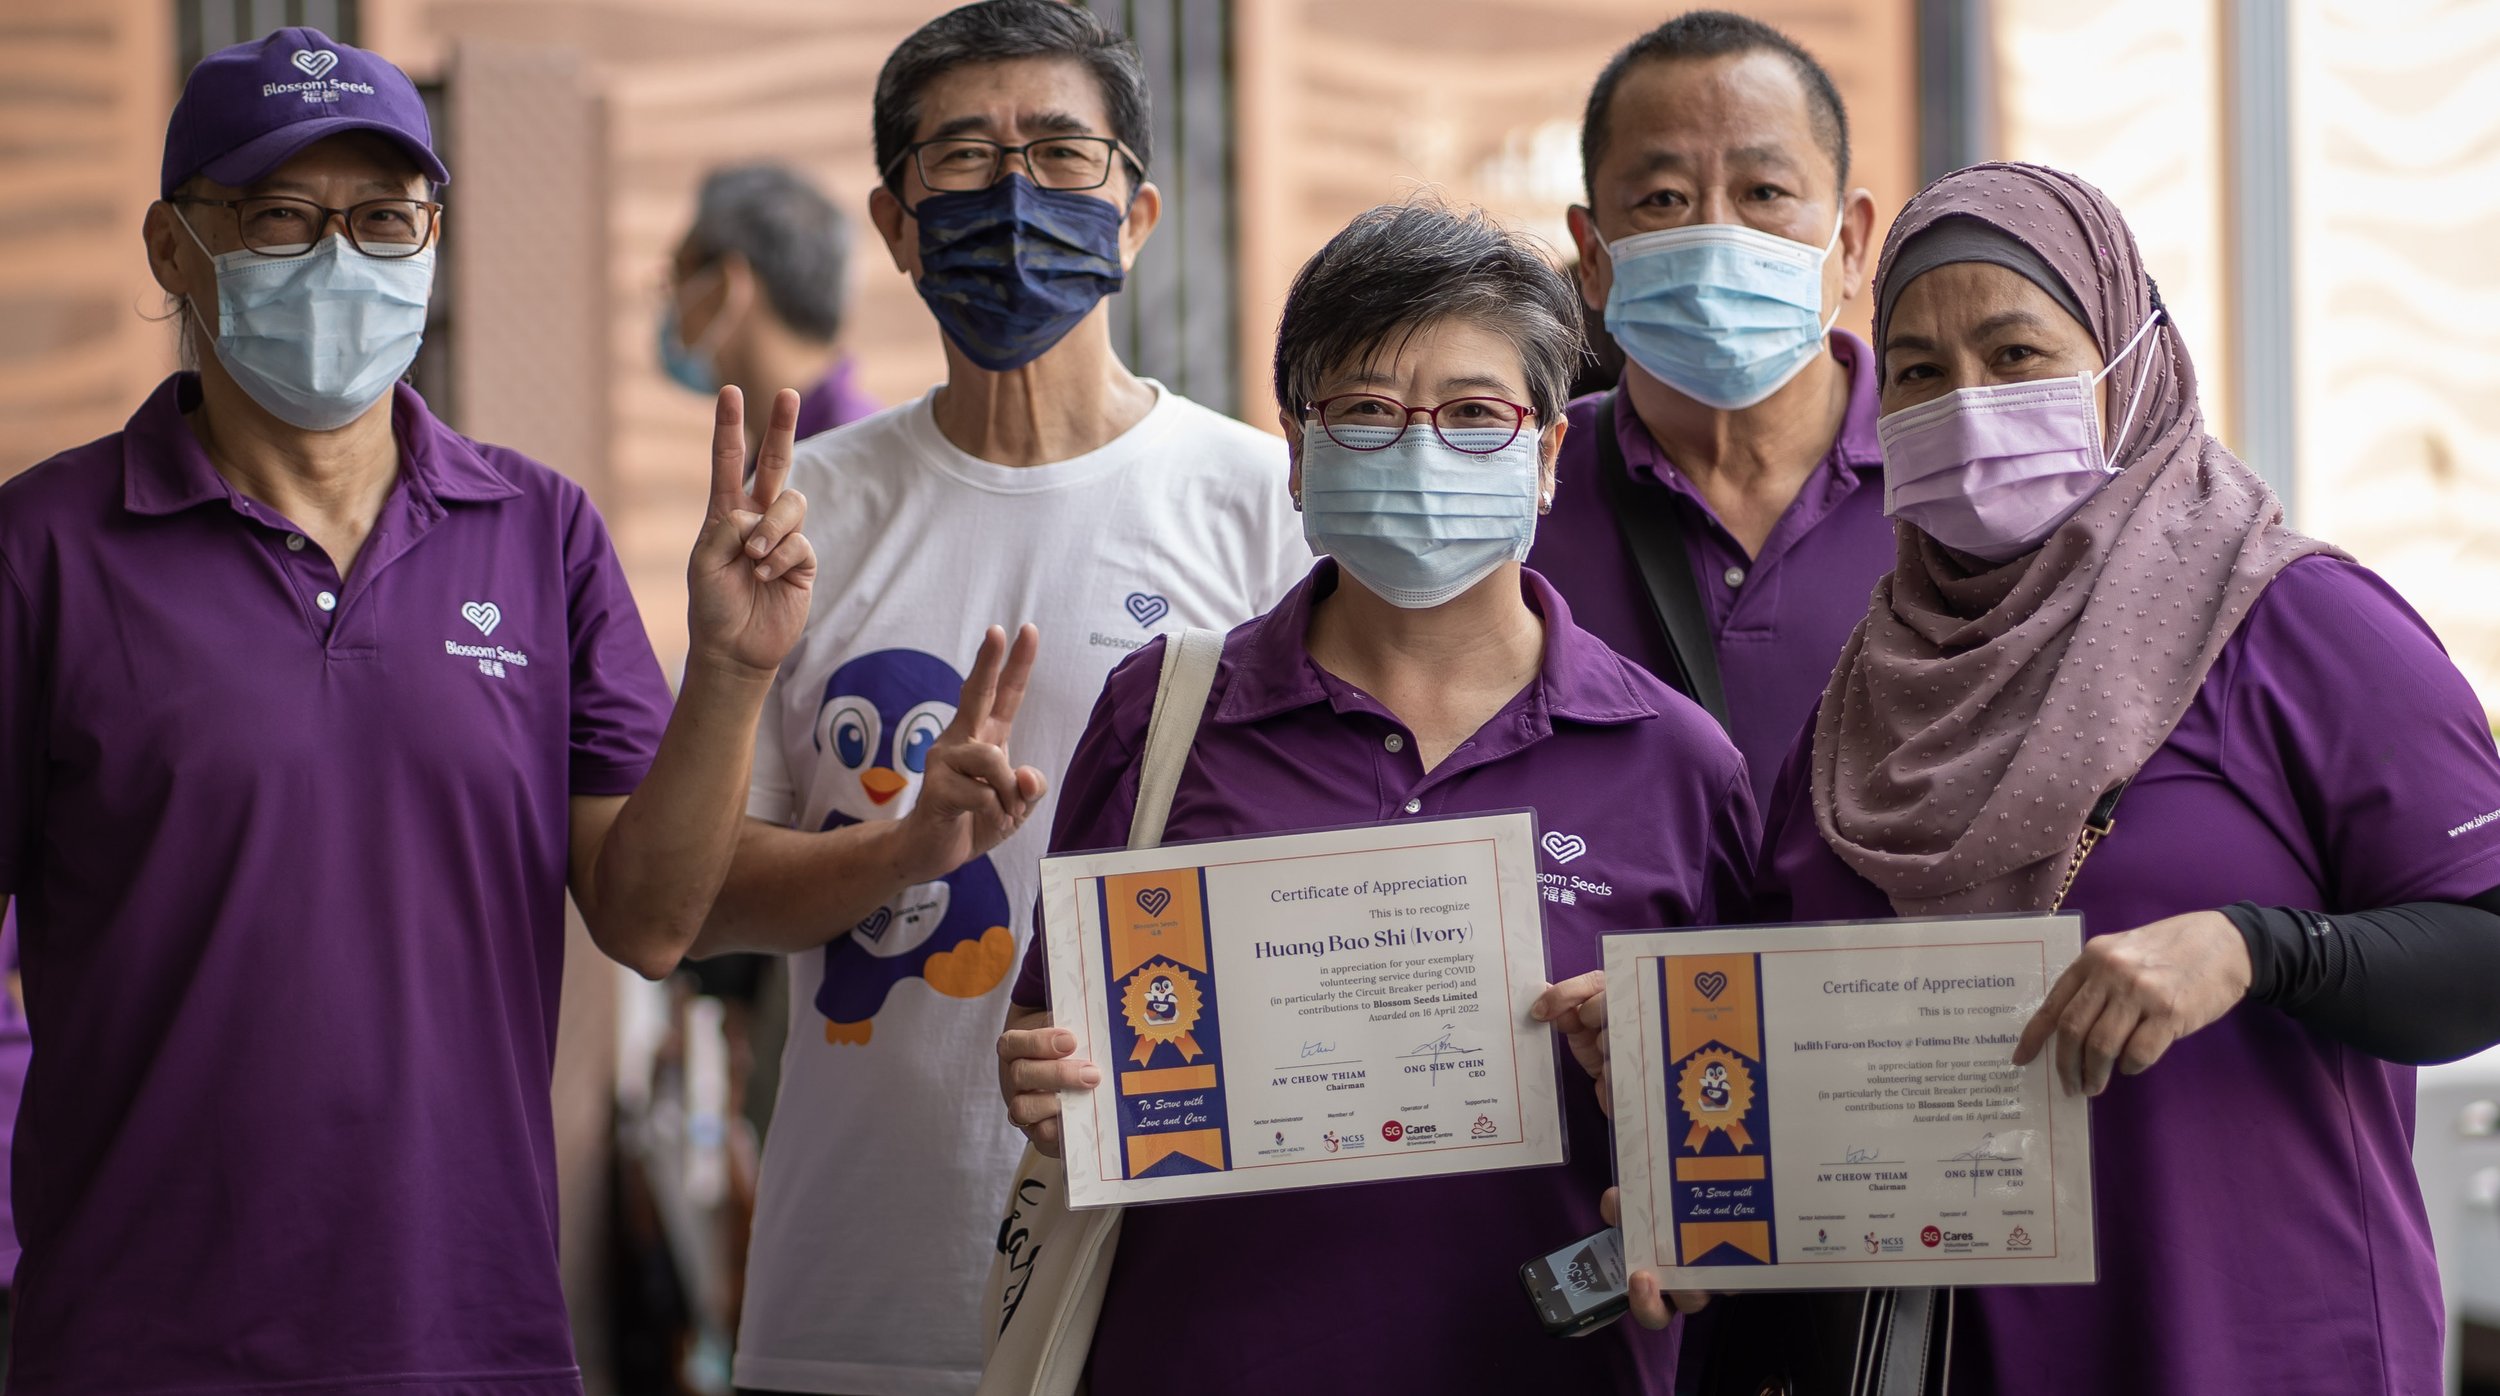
(1478, 426)
(1070, 163)
(275, 225)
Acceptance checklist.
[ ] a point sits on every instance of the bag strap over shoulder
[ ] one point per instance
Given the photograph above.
(1189, 659)
(1653, 530)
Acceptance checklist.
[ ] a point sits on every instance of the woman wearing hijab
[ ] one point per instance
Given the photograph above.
(2099, 639)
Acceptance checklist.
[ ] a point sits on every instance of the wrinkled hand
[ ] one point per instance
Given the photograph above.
(747, 584)
(1035, 1063)
(2128, 996)
(971, 796)
(1651, 1306)
(1577, 1006)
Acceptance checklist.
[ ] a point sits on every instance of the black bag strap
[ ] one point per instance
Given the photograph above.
(1653, 528)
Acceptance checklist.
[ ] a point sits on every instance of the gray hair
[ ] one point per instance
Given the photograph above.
(994, 31)
(788, 231)
(1401, 267)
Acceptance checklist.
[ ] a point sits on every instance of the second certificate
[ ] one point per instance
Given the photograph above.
(1299, 1010)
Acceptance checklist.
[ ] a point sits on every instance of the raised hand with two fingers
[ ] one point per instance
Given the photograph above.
(753, 571)
(972, 795)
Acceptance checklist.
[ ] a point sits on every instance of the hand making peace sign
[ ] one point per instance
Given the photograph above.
(971, 796)
(747, 584)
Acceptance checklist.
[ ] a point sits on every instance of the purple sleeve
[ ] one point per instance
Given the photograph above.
(2347, 722)
(21, 729)
(1099, 793)
(620, 698)
(1735, 842)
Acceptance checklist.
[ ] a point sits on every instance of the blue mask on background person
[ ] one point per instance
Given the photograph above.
(318, 339)
(1721, 313)
(1010, 269)
(1418, 522)
(688, 368)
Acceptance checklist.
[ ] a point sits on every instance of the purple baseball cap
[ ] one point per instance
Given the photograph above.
(249, 108)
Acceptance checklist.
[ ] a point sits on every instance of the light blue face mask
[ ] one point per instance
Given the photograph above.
(318, 339)
(1418, 522)
(1719, 312)
(687, 367)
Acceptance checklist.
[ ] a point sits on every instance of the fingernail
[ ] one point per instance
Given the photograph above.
(1091, 1076)
(756, 546)
(763, 571)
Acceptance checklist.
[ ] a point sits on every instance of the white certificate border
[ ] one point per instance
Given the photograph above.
(1073, 943)
(1628, 955)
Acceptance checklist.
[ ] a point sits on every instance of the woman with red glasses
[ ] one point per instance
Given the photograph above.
(1419, 671)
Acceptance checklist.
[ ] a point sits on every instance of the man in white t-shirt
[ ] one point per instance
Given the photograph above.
(892, 847)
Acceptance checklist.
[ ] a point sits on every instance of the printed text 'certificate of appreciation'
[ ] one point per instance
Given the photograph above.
(1302, 1010)
(1820, 1107)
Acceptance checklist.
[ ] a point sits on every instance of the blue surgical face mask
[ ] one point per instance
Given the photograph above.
(1010, 269)
(687, 367)
(1419, 522)
(1719, 312)
(318, 339)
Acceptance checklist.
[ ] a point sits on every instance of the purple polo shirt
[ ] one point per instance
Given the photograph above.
(1781, 617)
(289, 857)
(16, 1049)
(2260, 1226)
(1408, 1286)
(837, 400)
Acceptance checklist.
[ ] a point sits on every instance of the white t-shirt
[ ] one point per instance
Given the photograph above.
(890, 1152)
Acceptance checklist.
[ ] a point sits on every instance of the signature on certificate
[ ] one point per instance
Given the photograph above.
(1985, 1151)
(1440, 1047)
(1317, 1049)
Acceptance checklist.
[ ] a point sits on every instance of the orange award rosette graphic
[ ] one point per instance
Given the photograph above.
(1717, 1091)
(1162, 1004)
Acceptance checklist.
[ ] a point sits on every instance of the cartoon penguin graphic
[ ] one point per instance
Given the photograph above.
(1714, 1087)
(881, 714)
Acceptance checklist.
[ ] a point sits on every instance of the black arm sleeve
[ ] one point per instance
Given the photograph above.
(2415, 983)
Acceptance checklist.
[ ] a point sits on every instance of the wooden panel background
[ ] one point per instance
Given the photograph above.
(2396, 189)
(85, 86)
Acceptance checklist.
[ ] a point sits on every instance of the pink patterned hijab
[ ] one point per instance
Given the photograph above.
(1980, 710)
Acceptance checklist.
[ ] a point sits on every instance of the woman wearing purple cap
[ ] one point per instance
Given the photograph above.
(2100, 638)
(312, 712)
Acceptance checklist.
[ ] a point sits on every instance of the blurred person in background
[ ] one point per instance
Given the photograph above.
(312, 711)
(1719, 242)
(755, 298)
(892, 850)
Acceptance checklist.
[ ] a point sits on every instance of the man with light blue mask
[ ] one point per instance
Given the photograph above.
(895, 829)
(313, 714)
(1720, 513)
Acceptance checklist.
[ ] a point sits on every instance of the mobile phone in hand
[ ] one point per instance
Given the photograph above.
(1580, 1288)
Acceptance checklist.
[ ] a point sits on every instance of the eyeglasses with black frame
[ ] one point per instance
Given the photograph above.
(276, 225)
(1477, 418)
(1070, 164)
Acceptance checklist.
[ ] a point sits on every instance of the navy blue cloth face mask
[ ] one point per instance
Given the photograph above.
(1010, 269)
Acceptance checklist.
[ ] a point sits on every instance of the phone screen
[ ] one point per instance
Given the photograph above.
(1572, 1283)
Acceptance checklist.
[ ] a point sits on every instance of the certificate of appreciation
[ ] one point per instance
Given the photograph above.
(1300, 1010)
(1825, 1107)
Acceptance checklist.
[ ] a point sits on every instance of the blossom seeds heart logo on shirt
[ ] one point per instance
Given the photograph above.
(1711, 983)
(485, 615)
(1153, 900)
(874, 927)
(315, 63)
(1565, 847)
(1146, 608)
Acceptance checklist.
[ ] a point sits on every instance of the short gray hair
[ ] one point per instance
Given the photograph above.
(1401, 267)
(788, 231)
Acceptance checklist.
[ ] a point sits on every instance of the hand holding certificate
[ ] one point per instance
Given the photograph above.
(1817, 1107)
(1303, 1009)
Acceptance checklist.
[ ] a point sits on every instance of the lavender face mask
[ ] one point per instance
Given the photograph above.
(1992, 471)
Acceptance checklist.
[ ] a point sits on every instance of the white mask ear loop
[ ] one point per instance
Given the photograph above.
(2127, 425)
(1828, 248)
